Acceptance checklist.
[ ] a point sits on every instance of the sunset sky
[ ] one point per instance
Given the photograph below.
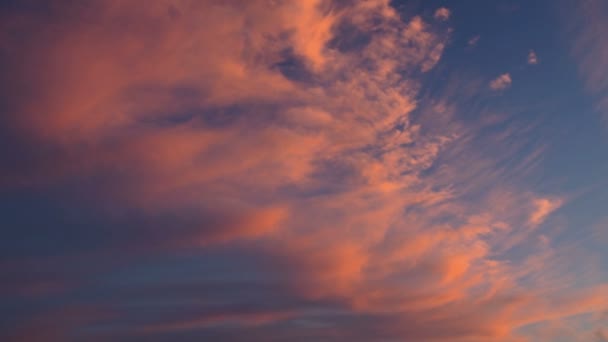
(304, 170)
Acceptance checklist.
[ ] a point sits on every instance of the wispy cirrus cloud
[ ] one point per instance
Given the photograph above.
(585, 23)
(473, 40)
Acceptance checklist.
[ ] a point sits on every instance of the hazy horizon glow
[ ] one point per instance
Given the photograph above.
(323, 170)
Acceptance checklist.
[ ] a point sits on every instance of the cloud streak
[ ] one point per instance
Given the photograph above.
(442, 14)
(585, 23)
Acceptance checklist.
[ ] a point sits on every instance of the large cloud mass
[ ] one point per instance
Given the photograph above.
(259, 170)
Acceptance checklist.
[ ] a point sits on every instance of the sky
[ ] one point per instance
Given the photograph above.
(304, 170)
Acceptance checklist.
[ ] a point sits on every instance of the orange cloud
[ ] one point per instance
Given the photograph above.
(544, 207)
(261, 132)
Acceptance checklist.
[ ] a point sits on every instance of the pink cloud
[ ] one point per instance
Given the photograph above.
(473, 40)
(246, 126)
(584, 24)
(501, 82)
(442, 14)
(544, 207)
(532, 58)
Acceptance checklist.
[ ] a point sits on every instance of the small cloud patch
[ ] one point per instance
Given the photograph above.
(501, 82)
(532, 58)
(442, 14)
(474, 40)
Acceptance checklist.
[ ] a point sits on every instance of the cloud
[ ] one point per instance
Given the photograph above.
(473, 40)
(584, 25)
(261, 170)
(532, 58)
(501, 82)
(544, 207)
(442, 14)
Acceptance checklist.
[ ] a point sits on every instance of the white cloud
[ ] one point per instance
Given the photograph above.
(501, 82)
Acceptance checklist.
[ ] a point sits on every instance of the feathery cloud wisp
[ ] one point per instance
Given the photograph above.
(586, 23)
